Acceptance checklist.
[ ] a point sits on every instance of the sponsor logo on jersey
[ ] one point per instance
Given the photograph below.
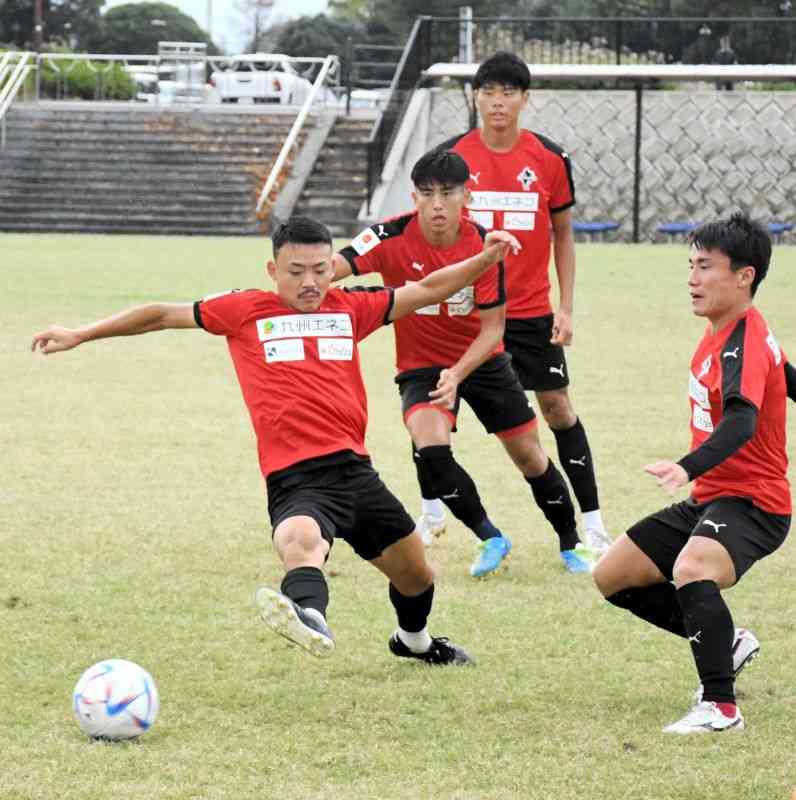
(486, 219)
(366, 241)
(284, 350)
(462, 303)
(292, 325)
(702, 420)
(518, 221)
(504, 201)
(527, 178)
(698, 392)
(774, 347)
(705, 367)
(335, 349)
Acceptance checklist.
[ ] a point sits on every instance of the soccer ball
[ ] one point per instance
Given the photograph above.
(115, 700)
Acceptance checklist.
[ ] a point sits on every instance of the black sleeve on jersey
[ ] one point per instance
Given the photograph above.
(501, 296)
(390, 304)
(449, 144)
(550, 145)
(384, 230)
(790, 380)
(732, 357)
(197, 314)
(737, 427)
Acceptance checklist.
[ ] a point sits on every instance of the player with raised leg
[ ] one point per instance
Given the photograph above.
(296, 357)
(453, 350)
(522, 182)
(671, 568)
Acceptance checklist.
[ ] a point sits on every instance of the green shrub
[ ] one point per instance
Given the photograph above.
(86, 81)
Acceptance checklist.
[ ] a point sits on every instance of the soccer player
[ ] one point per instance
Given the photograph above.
(671, 567)
(522, 182)
(296, 357)
(453, 350)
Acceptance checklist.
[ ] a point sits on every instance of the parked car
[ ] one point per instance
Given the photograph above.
(263, 78)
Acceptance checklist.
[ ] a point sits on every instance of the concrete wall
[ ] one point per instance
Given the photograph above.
(704, 152)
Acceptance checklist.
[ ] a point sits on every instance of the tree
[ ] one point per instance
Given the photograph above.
(256, 15)
(64, 20)
(129, 29)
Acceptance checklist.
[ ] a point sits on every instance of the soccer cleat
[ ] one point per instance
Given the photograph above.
(302, 626)
(430, 528)
(706, 717)
(745, 649)
(597, 540)
(441, 653)
(576, 560)
(493, 552)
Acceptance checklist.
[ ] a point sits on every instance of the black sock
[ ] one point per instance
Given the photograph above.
(306, 586)
(575, 457)
(412, 612)
(451, 483)
(656, 604)
(552, 496)
(423, 478)
(710, 629)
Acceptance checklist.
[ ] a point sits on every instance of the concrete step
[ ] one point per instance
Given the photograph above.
(189, 228)
(128, 214)
(147, 207)
(94, 192)
(141, 139)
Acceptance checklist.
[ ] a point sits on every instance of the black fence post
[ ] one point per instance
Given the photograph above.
(349, 73)
(619, 34)
(637, 167)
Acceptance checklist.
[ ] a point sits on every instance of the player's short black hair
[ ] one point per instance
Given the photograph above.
(504, 68)
(744, 242)
(300, 230)
(440, 166)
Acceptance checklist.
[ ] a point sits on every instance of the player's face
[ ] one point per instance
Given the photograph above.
(717, 292)
(439, 207)
(303, 274)
(500, 106)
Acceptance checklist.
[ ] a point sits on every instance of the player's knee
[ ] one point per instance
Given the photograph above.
(437, 466)
(414, 580)
(299, 541)
(529, 458)
(557, 410)
(606, 578)
(689, 568)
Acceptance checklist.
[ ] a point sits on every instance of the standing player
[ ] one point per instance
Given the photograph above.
(453, 350)
(296, 357)
(522, 182)
(740, 505)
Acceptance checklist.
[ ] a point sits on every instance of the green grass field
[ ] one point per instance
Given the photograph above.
(133, 524)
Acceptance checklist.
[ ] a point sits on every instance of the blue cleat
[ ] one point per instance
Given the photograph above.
(493, 552)
(575, 561)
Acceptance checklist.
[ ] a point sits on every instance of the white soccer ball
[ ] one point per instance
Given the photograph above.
(115, 699)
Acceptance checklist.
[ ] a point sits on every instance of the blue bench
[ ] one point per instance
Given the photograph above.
(594, 229)
(777, 229)
(675, 229)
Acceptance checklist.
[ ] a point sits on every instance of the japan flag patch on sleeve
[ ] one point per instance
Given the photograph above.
(366, 241)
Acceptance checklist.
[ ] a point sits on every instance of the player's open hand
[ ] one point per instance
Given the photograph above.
(445, 393)
(670, 476)
(562, 328)
(55, 340)
(498, 243)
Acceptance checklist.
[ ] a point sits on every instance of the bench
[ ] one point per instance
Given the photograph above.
(778, 229)
(675, 229)
(594, 229)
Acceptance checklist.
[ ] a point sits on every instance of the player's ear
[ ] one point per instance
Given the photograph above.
(746, 277)
(525, 95)
(414, 197)
(271, 269)
(468, 196)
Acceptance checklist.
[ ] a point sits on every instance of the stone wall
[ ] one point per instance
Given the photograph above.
(704, 153)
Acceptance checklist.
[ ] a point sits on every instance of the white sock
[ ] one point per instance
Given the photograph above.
(313, 612)
(593, 520)
(417, 642)
(433, 508)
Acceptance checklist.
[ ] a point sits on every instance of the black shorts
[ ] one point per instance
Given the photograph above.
(347, 500)
(492, 391)
(540, 365)
(745, 531)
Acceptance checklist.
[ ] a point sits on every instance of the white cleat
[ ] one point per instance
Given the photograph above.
(706, 717)
(302, 626)
(745, 649)
(597, 540)
(430, 528)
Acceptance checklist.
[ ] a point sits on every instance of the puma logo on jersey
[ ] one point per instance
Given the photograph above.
(714, 525)
(696, 638)
(474, 177)
(559, 502)
(581, 462)
(731, 353)
(558, 370)
(381, 233)
(418, 267)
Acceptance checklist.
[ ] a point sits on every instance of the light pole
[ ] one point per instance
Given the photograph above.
(210, 19)
(38, 25)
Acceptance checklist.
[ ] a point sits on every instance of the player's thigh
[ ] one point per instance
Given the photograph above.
(415, 387)
(526, 451)
(540, 365)
(429, 426)
(625, 566)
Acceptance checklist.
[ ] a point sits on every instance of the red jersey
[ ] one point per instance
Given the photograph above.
(742, 361)
(518, 191)
(299, 372)
(436, 335)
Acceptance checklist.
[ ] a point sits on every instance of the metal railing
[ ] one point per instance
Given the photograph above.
(329, 65)
(12, 78)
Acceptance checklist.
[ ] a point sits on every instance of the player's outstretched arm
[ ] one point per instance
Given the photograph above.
(442, 283)
(141, 319)
(342, 269)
